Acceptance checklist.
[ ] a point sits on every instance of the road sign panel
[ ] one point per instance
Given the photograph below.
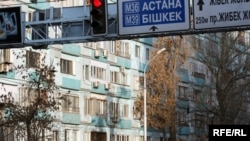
(221, 13)
(10, 25)
(151, 16)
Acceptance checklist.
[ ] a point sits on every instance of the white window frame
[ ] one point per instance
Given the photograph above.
(5, 55)
(86, 73)
(94, 106)
(114, 137)
(70, 103)
(114, 109)
(111, 47)
(98, 73)
(125, 110)
(66, 66)
(137, 51)
(114, 76)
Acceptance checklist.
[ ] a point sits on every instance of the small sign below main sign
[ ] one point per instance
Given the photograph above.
(152, 16)
(211, 14)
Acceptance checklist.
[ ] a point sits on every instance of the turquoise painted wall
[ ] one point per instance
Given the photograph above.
(100, 58)
(71, 118)
(184, 130)
(71, 49)
(100, 89)
(70, 83)
(39, 4)
(124, 124)
(199, 81)
(183, 75)
(123, 62)
(11, 74)
(98, 121)
(182, 104)
(123, 92)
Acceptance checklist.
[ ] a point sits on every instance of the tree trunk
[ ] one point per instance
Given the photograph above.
(172, 129)
(164, 134)
(29, 138)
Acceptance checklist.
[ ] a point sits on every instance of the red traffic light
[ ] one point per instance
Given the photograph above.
(97, 3)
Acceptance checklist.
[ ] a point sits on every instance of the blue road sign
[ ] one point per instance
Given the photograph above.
(151, 16)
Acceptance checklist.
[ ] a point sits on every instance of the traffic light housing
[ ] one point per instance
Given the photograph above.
(99, 23)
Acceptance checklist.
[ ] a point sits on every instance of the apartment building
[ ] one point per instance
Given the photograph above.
(103, 79)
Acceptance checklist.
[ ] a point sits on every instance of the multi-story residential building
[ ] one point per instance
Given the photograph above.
(103, 79)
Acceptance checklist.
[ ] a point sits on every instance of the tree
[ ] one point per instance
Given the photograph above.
(227, 59)
(161, 85)
(32, 114)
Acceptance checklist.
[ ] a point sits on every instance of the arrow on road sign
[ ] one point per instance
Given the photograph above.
(200, 3)
(153, 28)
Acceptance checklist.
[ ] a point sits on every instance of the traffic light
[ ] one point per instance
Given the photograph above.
(99, 25)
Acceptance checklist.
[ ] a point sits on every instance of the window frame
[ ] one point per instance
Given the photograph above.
(32, 59)
(137, 51)
(66, 66)
(67, 107)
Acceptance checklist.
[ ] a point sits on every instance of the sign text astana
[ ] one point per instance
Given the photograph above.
(151, 16)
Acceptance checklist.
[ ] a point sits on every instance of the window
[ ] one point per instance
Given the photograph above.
(125, 111)
(119, 137)
(111, 46)
(182, 91)
(7, 133)
(199, 121)
(98, 136)
(141, 79)
(67, 137)
(182, 117)
(147, 54)
(49, 135)
(95, 106)
(55, 136)
(122, 49)
(137, 51)
(137, 116)
(124, 52)
(29, 96)
(136, 83)
(66, 66)
(32, 59)
(114, 109)
(138, 138)
(75, 135)
(114, 76)
(196, 95)
(118, 77)
(70, 103)
(5, 56)
(86, 136)
(98, 72)
(124, 79)
(86, 72)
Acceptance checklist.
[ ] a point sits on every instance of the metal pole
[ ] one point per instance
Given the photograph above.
(145, 92)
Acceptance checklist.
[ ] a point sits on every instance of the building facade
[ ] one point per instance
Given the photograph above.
(103, 79)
